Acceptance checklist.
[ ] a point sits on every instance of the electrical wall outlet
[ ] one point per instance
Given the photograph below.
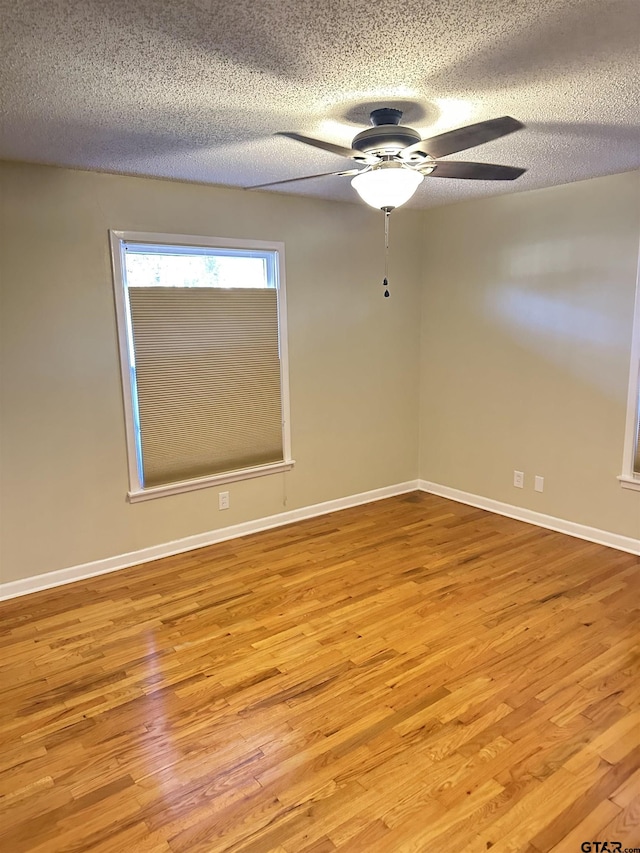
(539, 484)
(223, 500)
(518, 479)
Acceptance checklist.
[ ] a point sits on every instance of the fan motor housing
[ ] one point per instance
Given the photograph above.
(385, 138)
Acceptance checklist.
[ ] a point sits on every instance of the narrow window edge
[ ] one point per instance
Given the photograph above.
(630, 477)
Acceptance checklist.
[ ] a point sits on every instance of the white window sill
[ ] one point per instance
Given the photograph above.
(206, 482)
(629, 482)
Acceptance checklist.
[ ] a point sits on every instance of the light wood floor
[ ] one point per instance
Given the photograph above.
(412, 675)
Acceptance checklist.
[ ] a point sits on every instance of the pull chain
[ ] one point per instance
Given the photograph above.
(385, 282)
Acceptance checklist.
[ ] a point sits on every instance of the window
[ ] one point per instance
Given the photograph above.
(202, 334)
(630, 477)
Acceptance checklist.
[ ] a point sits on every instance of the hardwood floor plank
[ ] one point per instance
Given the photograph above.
(587, 829)
(624, 827)
(408, 675)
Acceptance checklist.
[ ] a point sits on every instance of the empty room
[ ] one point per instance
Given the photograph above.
(319, 427)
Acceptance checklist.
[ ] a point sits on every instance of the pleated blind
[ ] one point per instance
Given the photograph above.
(207, 372)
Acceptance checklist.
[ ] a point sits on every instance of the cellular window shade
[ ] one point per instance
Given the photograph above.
(208, 380)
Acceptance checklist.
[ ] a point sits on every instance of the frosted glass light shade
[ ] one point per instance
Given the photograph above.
(387, 185)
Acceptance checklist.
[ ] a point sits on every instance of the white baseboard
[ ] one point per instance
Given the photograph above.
(14, 589)
(581, 531)
(189, 543)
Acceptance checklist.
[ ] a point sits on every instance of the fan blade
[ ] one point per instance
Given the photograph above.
(305, 178)
(464, 137)
(474, 171)
(320, 143)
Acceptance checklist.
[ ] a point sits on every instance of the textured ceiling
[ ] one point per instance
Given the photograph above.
(195, 89)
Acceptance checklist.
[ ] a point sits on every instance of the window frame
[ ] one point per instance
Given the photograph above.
(630, 479)
(118, 240)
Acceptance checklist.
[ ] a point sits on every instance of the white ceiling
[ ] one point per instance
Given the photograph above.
(195, 89)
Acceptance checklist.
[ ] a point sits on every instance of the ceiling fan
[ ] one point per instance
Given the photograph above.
(395, 159)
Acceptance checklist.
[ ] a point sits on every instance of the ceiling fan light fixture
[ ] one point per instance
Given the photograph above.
(387, 185)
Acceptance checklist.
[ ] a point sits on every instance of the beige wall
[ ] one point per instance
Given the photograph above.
(523, 363)
(526, 333)
(353, 360)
